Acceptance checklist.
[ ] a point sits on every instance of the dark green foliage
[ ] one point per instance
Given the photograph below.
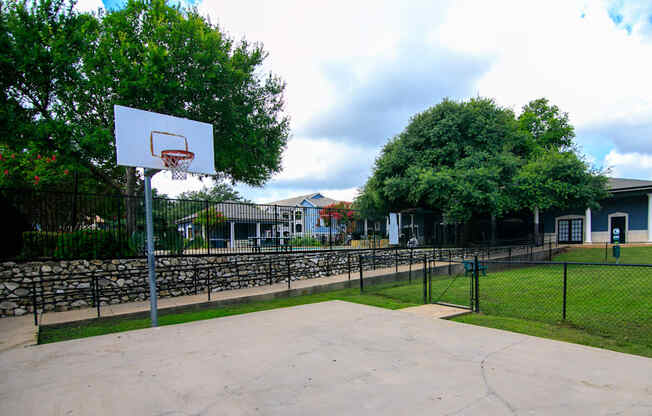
(61, 73)
(474, 157)
(84, 244)
(197, 242)
(305, 242)
(220, 192)
(39, 244)
(172, 241)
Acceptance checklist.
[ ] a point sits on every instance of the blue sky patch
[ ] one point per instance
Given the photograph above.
(119, 4)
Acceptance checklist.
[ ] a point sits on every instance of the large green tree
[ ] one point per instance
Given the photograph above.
(219, 192)
(63, 71)
(474, 157)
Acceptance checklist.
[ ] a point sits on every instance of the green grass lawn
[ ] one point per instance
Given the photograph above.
(395, 298)
(557, 331)
(601, 300)
(631, 255)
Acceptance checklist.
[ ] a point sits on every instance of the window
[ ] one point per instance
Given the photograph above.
(570, 231)
(563, 230)
(576, 230)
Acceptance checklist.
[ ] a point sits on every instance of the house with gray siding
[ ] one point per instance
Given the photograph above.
(628, 208)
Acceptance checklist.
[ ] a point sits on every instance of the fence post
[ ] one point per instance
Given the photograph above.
(328, 265)
(330, 231)
(396, 260)
(476, 277)
(270, 271)
(208, 231)
(606, 250)
(430, 282)
(425, 278)
(450, 261)
(34, 304)
(510, 254)
(237, 274)
(289, 273)
(208, 283)
(563, 313)
(348, 264)
(97, 294)
(410, 267)
(373, 259)
(276, 233)
(194, 277)
(119, 222)
(549, 250)
(360, 264)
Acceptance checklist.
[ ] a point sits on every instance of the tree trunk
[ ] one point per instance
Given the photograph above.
(132, 203)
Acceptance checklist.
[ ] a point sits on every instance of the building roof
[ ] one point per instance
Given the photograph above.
(624, 184)
(236, 211)
(317, 199)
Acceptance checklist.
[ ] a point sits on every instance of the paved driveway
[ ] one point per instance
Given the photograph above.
(332, 358)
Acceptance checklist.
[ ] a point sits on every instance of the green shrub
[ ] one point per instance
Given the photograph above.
(172, 240)
(38, 244)
(197, 242)
(138, 243)
(92, 244)
(305, 242)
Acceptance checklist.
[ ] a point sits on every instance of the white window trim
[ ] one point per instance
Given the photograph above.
(618, 214)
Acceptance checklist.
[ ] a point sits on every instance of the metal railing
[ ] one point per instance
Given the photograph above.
(45, 225)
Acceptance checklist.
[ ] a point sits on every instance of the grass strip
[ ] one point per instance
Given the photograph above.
(113, 325)
(558, 331)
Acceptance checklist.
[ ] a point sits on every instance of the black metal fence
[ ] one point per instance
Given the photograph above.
(60, 225)
(43, 225)
(610, 300)
(48, 287)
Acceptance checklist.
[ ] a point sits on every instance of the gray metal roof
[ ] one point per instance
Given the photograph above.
(297, 200)
(624, 184)
(236, 211)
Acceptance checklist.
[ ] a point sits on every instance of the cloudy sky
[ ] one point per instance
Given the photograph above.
(357, 70)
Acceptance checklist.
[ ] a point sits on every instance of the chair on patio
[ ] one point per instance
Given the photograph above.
(469, 266)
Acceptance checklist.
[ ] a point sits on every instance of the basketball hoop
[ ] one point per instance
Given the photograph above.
(177, 162)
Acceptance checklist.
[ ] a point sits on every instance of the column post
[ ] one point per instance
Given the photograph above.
(232, 234)
(649, 217)
(587, 227)
(536, 224)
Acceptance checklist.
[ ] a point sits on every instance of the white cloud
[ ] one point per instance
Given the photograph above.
(331, 55)
(163, 182)
(629, 165)
(89, 5)
(589, 66)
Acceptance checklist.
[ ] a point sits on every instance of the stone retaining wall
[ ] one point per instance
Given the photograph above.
(63, 285)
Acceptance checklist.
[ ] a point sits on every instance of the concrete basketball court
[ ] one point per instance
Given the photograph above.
(332, 358)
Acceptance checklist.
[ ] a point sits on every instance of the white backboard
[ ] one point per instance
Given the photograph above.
(141, 135)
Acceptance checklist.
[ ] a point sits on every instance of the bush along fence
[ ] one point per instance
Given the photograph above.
(43, 225)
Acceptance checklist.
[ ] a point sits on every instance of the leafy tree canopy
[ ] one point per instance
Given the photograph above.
(475, 157)
(220, 192)
(62, 72)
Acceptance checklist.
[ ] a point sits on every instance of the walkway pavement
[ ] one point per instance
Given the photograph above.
(328, 358)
